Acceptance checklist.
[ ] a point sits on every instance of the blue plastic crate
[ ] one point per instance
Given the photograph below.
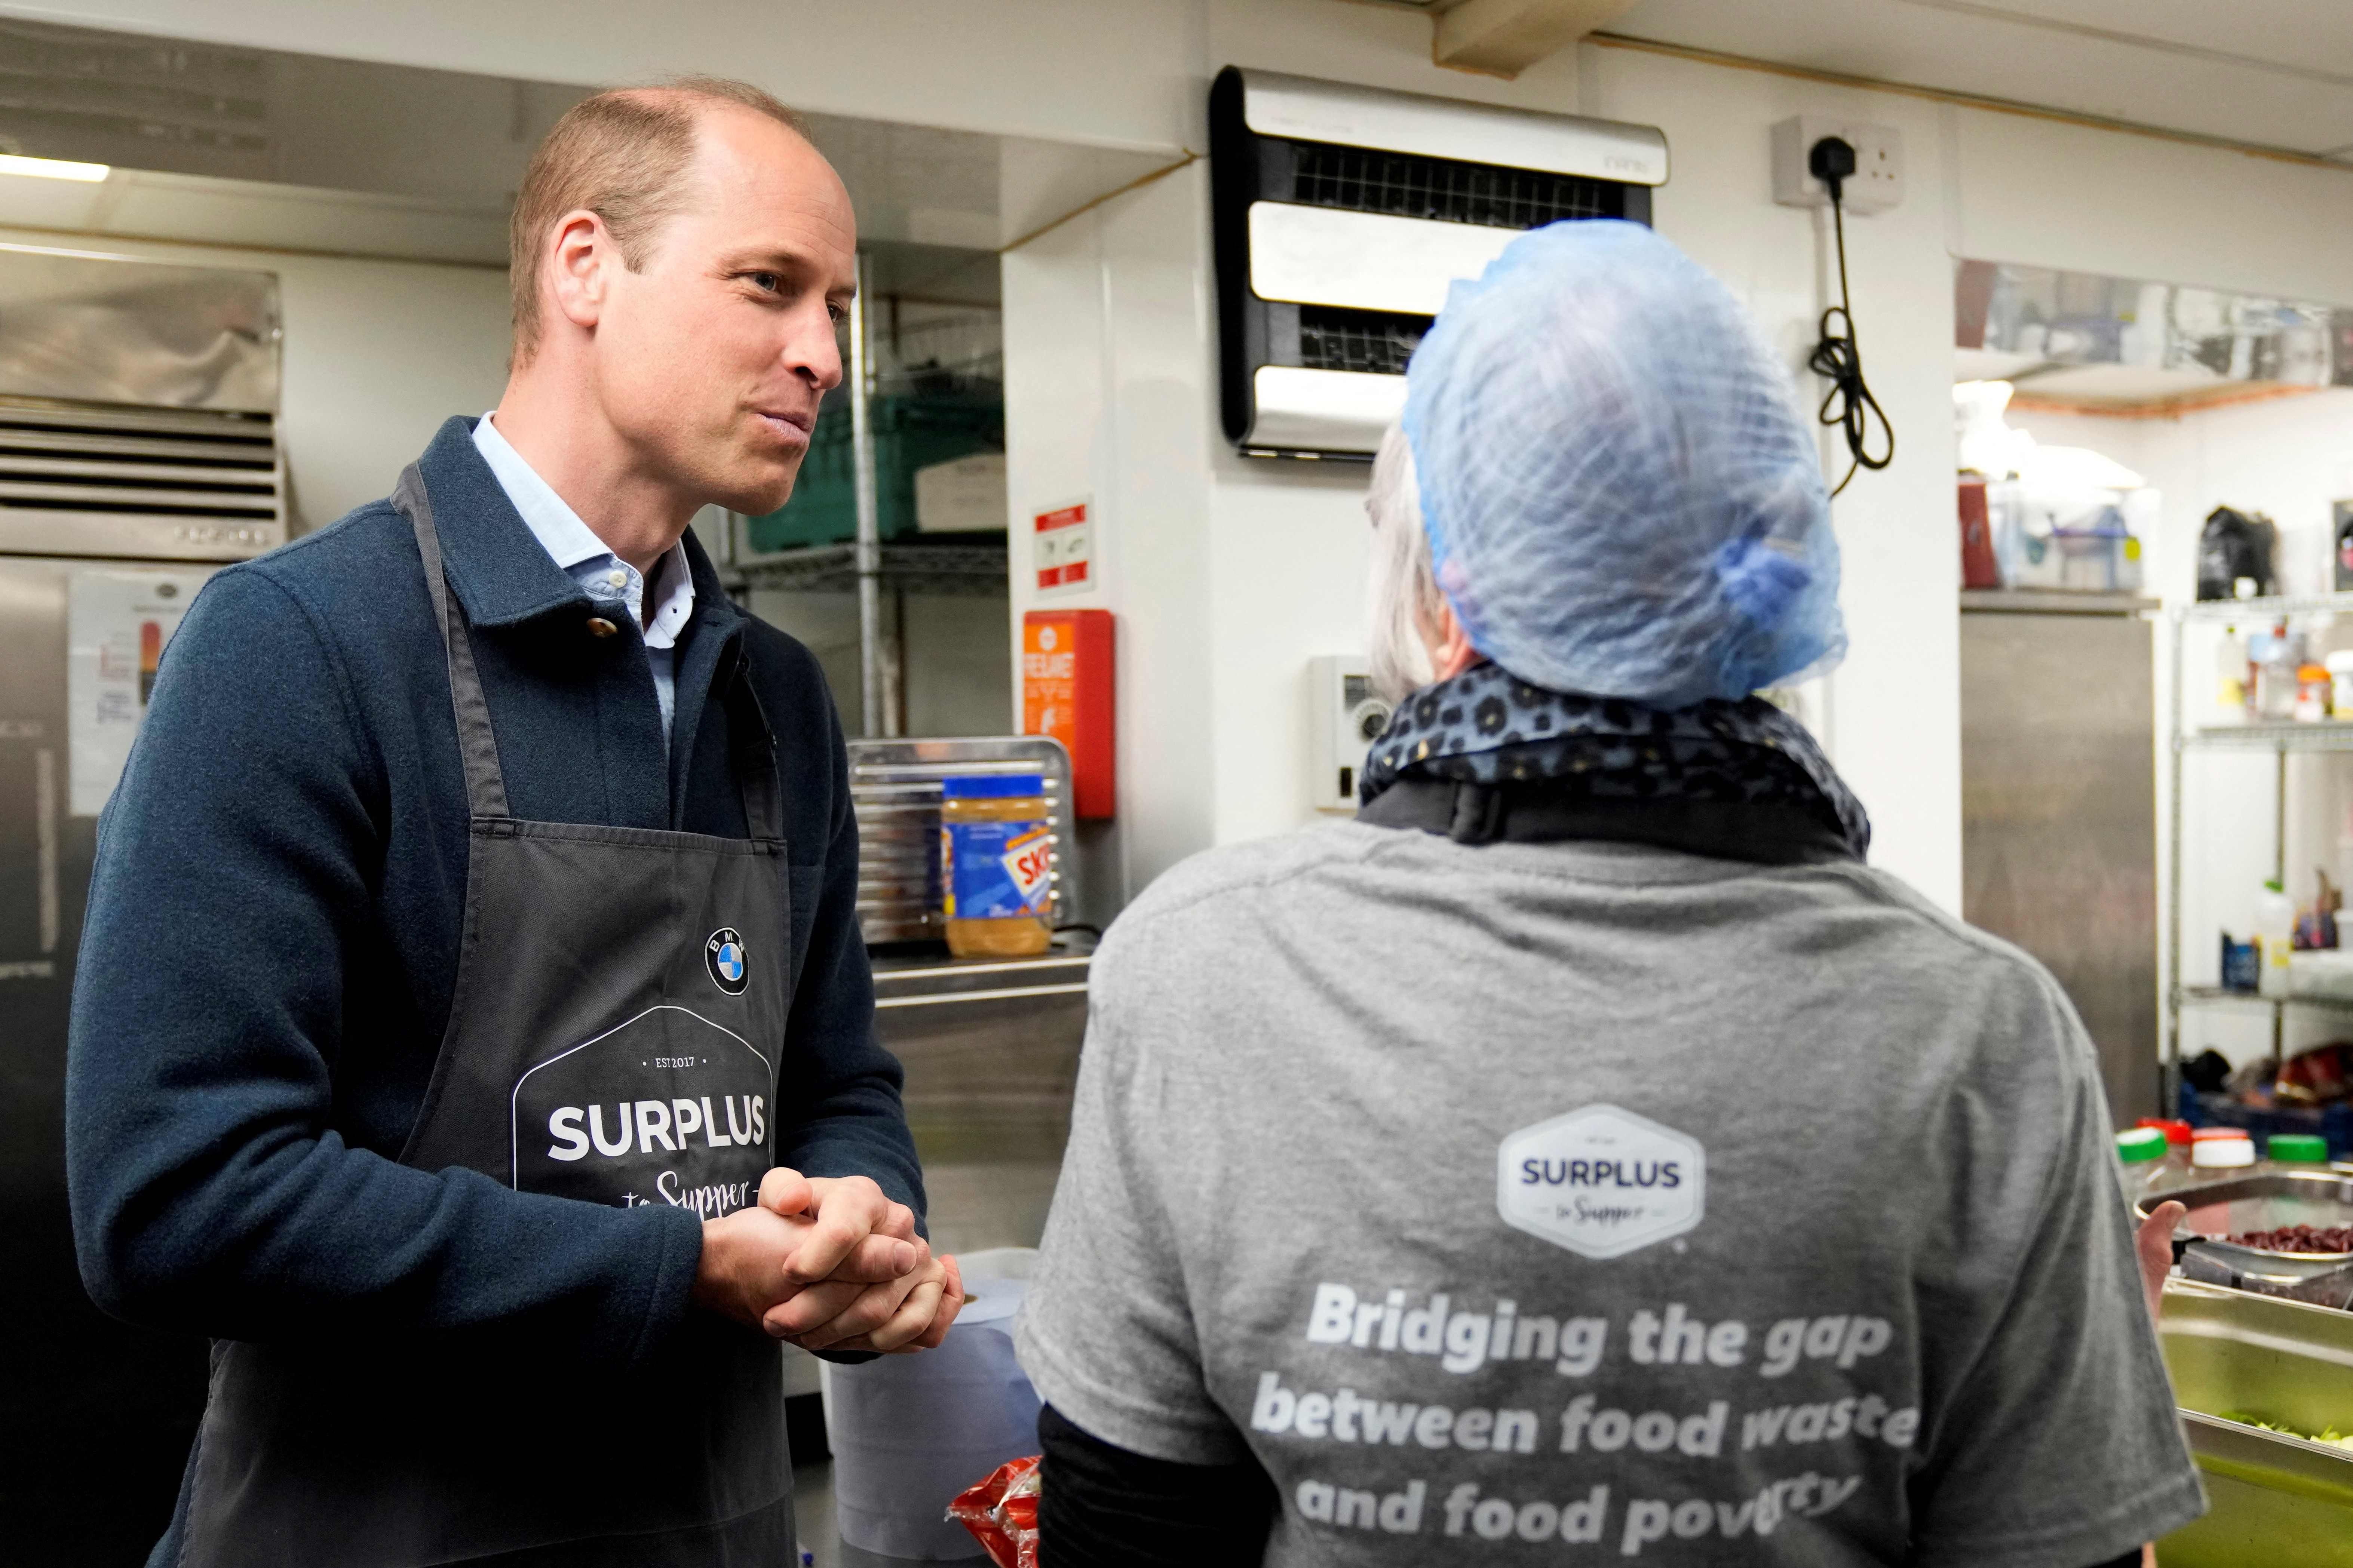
(2334, 1122)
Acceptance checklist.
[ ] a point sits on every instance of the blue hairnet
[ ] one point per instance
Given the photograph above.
(1620, 498)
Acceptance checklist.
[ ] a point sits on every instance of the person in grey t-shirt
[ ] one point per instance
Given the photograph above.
(1584, 1155)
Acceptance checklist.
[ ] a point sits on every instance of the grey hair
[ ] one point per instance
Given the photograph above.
(1402, 591)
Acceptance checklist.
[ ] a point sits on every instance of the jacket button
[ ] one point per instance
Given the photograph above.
(599, 627)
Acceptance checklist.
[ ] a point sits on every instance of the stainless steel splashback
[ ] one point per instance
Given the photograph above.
(894, 786)
(138, 408)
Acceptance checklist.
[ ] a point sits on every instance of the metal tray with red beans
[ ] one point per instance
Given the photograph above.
(2279, 1232)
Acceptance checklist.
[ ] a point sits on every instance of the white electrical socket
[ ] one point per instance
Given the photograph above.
(1877, 183)
(1347, 716)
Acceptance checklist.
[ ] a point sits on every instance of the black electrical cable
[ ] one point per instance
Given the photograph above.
(1848, 404)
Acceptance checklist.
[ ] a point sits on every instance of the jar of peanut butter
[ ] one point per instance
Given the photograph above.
(996, 865)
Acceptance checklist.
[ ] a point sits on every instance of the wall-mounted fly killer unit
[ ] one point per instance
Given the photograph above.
(1342, 214)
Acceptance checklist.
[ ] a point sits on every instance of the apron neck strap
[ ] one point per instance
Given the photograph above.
(486, 789)
(757, 772)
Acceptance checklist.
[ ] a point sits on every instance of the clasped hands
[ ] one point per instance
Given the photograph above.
(829, 1264)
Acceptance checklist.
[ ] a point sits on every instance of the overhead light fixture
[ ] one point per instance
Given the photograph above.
(52, 169)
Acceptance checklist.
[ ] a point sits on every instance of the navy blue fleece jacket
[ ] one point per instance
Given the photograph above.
(273, 930)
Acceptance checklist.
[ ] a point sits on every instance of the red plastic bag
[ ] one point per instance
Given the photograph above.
(1002, 1513)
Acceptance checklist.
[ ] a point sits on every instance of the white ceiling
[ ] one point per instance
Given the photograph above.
(2269, 73)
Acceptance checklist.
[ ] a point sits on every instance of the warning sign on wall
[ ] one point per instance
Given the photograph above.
(1062, 549)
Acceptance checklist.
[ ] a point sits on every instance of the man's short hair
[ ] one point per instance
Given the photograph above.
(622, 154)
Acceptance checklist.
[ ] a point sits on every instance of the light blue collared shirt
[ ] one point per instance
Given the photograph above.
(575, 547)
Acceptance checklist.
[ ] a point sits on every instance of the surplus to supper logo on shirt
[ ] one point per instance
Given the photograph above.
(1601, 1182)
(1646, 1423)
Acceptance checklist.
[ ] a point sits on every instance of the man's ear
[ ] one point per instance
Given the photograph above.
(576, 272)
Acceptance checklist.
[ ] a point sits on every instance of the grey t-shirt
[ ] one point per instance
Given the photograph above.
(1584, 1201)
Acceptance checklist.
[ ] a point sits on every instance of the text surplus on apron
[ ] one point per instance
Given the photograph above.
(620, 997)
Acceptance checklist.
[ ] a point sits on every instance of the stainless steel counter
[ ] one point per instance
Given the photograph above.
(991, 1050)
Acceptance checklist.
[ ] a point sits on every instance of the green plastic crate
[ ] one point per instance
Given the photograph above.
(911, 431)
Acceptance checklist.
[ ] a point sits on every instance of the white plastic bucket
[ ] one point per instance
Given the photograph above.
(910, 1432)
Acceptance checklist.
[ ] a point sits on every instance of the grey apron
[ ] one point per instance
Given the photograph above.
(620, 997)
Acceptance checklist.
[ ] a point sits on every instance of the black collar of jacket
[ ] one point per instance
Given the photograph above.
(1534, 812)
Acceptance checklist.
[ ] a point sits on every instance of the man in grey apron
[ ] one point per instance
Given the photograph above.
(473, 1035)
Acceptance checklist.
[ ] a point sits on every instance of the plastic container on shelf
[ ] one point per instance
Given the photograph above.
(2313, 693)
(996, 865)
(2216, 1151)
(2140, 1162)
(2340, 684)
(2295, 1151)
(2274, 937)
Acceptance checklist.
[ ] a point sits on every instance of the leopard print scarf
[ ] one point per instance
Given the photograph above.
(1486, 726)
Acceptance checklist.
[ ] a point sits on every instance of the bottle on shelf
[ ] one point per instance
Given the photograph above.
(2274, 937)
(2340, 684)
(2315, 925)
(2276, 659)
(2233, 678)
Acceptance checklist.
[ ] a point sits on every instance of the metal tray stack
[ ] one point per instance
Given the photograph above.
(2276, 1500)
(894, 787)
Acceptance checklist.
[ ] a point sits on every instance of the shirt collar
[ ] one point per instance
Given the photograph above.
(570, 542)
(566, 538)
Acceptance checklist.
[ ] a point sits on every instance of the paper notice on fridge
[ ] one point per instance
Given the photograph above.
(116, 626)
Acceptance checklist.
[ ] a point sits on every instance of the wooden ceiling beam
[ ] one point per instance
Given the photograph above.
(1503, 38)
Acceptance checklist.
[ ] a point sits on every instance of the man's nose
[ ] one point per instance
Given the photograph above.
(815, 352)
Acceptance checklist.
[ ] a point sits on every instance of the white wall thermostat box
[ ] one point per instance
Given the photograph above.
(1347, 716)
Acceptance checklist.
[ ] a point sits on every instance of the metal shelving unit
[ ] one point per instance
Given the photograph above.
(964, 568)
(2281, 739)
(961, 564)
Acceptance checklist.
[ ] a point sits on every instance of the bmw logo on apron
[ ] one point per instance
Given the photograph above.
(724, 956)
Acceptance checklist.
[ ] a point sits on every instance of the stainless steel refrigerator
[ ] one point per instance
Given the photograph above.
(138, 450)
(2059, 809)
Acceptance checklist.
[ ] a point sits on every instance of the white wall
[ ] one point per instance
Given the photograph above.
(1107, 400)
(377, 354)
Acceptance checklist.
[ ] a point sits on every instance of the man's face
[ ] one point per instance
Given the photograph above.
(711, 360)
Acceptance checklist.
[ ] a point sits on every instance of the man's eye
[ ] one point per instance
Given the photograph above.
(768, 282)
(840, 314)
